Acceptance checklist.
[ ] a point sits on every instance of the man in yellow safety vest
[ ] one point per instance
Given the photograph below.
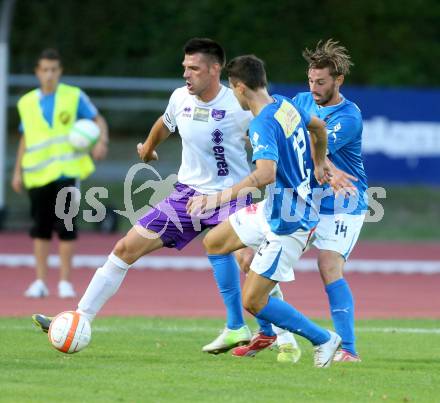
(46, 163)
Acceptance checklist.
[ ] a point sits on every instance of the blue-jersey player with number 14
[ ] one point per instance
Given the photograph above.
(281, 153)
(341, 218)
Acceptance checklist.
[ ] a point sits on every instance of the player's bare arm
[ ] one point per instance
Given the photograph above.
(100, 149)
(17, 179)
(158, 133)
(341, 181)
(264, 174)
(318, 136)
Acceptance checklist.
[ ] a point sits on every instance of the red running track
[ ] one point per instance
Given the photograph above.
(193, 293)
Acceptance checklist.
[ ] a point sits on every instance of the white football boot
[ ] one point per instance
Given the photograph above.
(324, 353)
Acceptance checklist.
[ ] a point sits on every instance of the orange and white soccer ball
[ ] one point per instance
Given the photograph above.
(70, 332)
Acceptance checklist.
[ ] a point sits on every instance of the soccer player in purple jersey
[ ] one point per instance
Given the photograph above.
(212, 126)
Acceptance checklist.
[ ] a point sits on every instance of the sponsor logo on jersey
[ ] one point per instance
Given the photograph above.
(217, 137)
(186, 112)
(255, 146)
(288, 117)
(218, 114)
(260, 147)
(201, 114)
(219, 153)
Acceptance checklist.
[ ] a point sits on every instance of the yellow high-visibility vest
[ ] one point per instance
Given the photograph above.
(48, 154)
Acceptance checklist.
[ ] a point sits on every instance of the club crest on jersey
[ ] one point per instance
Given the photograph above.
(333, 132)
(217, 137)
(64, 117)
(218, 114)
(201, 114)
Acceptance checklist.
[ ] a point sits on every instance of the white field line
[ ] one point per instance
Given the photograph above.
(192, 329)
(202, 263)
(128, 328)
(410, 330)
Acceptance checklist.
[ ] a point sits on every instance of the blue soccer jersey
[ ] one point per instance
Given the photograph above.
(344, 128)
(279, 133)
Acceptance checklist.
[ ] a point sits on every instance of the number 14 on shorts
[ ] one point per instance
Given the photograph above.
(340, 228)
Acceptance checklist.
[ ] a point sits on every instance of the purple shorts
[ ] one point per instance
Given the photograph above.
(175, 226)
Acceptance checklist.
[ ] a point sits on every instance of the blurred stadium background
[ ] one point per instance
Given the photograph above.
(128, 59)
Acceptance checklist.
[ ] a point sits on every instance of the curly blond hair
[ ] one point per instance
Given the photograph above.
(329, 54)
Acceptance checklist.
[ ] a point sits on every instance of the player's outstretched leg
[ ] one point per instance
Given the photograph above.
(104, 284)
(227, 277)
(257, 301)
(265, 338)
(289, 350)
(219, 244)
(268, 335)
(286, 316)
(108, 278)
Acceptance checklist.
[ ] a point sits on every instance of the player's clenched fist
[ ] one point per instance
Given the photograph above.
(145, 154)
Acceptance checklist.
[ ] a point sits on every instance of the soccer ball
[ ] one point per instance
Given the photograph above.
(84, 134)
(70, 332)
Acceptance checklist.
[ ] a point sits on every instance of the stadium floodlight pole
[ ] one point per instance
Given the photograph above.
(5, 22)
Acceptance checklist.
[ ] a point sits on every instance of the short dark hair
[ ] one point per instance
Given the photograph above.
(248, 69)
(329, 54)
(49, 54)
(208, 47)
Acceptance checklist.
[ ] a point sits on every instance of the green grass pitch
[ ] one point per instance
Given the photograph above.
(159, 360)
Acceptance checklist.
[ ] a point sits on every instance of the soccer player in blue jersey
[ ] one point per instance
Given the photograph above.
(281, 152)
(341, 218)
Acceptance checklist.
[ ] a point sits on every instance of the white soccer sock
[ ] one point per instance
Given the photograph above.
(276, 292)
(103, 286)
(283, 336)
